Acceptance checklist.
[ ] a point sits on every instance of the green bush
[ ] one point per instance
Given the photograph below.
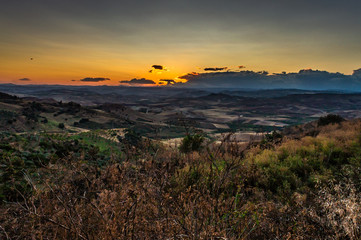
(191, 143)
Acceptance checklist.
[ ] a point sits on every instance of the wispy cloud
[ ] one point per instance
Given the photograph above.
(24, 79)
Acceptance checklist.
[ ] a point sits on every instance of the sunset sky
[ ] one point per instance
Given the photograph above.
(63, 41)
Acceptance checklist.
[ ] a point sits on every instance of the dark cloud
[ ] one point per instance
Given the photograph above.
(215, 69)
(241, 67)
(190, 75)
(24, 79)
(220, 79)
(263, 72)
(157, 67)
(98, 79)
(357, 73)
(167, 81)
(135, 81)
(304, 79)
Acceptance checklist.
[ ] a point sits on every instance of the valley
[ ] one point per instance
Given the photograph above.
(167, 113)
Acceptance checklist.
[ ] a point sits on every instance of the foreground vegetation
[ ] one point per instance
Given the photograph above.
(74, 187)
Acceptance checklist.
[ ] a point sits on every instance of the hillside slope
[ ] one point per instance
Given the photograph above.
(297, 187)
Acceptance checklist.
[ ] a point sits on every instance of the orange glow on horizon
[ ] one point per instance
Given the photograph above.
(69, 70)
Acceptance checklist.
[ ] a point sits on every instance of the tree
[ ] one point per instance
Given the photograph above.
(132, 137)
(191, 143)
(330, 119)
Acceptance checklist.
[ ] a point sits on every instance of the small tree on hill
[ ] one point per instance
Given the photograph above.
(132, 137)
(330, 119)
(270, 139)
(191, 143)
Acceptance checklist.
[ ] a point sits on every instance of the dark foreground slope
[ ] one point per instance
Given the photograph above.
(304, 187)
